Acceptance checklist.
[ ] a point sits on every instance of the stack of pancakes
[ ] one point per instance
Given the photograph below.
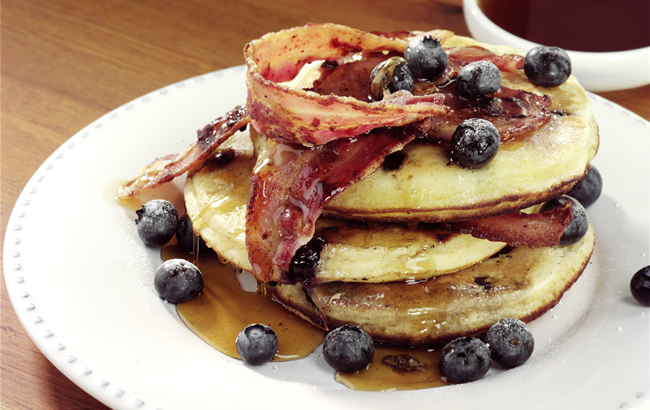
(387, 265)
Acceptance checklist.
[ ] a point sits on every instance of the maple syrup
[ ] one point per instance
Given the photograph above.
(600, 26)
(225, 307)
(387, 371)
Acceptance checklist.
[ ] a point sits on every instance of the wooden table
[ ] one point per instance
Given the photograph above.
(67, 62)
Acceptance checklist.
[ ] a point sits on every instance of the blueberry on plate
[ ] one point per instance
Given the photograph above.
(426, 58)
(157, 221)
(547, 66)
(475, 143)
(464, 359)
(257, 344)
(510, 341)
(578, 226)
(589, 188)
(348, 349)
(478, 80)
(177, 280)
(640, 286)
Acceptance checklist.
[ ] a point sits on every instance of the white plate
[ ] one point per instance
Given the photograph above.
(80, 281)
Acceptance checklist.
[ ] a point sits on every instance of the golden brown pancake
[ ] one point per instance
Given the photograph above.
(216, 196)
(428, 188)
(523, 284)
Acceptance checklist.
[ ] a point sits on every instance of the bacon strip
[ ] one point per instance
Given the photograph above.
(310, 119)
(291, 184)
(166, 168)
(518, 228)
(465, 55)
(513, 112)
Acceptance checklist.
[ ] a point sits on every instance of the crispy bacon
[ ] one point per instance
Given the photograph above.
(308, 118)
(513, 112)
(519, 228)
(166, 168)
(291, 184)
(351, 79)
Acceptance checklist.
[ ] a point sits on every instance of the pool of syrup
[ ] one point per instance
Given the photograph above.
(224, 309)
(382, 374)
(228, 304)
(594, 25)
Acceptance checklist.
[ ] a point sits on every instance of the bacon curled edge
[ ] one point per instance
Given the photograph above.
(166, 168)
(308, 118)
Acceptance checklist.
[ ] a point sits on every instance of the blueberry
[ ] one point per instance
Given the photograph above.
(186, 237)
(589, 188)
(478, 80)
(426, 58)
(178, 280)
(475, 143)
(640, 286)
(156, 222)
(390, 76)
(348, 349)
(510, 341)
(257, 344)
(305, 260)
(464, 359)
(578, 226)
(402, 79)
(547, 66)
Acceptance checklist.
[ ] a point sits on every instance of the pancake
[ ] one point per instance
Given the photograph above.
(216, 195)
(427, 188)
(386, 264)
(523, 284)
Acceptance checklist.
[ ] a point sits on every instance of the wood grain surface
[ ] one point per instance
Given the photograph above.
(65, 63)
